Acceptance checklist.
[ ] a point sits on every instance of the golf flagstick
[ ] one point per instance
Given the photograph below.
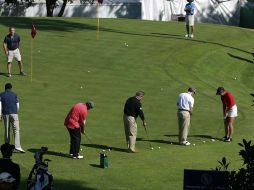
(148, 139)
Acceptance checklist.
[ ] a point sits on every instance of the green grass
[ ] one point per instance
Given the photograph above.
(158, 60)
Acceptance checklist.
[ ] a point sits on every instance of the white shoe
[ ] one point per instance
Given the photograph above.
(186, 143)
(78, 157)
(186, 35)
(192, 36)
(20, 150)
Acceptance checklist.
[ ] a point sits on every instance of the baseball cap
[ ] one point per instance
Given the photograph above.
(220, 90)
(6, 177)
(191, 89)
(90, 104)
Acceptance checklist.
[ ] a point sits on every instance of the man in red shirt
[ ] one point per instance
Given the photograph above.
(75, 123)
(229, 112)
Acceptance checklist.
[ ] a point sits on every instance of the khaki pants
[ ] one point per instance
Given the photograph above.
(130, 128)
(12, 120)
(184, 125)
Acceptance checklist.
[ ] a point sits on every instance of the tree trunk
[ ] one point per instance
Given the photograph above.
(50, 5)
(62, 8)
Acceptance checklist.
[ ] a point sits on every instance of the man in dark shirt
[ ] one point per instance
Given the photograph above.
(11, 49)
(9, 105)
(133, 109)
(7, 166)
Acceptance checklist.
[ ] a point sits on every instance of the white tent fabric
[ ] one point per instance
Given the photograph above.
(213, 11)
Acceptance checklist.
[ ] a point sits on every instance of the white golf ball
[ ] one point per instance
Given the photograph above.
(81, 86)
(103, 150)
(109, 149)
(194, 145)
(159, 147)
(81, 149)
(213, 140)
(203, 141)
(88, 71)
(152, 148)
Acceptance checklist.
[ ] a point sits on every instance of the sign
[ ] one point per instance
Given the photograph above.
(204, 179)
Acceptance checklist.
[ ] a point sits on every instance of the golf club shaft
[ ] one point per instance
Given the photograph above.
(90, 141)
(148, 137)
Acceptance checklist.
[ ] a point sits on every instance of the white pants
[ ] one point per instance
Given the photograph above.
(12, 120)
(14, 54)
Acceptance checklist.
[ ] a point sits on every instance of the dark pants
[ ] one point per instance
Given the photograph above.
(75, 137)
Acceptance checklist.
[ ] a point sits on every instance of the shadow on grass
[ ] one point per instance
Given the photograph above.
(53, 153)
(104, 147)
(241, 58)
(158, 141)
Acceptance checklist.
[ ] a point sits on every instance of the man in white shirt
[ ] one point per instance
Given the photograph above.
(185, 106)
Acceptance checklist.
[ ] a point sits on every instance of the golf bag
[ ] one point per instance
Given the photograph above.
(40, 178)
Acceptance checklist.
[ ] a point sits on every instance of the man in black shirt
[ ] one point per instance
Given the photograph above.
(6, 164)
(133, 109)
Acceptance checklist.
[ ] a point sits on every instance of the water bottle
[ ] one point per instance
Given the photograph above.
(103, 159)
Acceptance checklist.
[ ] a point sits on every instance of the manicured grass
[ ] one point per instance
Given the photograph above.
(159, 60)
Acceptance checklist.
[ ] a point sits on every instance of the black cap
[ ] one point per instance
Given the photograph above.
(8, 86)
(7, 149)
(191, 89)
(220, 90)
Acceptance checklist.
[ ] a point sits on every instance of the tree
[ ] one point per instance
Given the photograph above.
(243, 179)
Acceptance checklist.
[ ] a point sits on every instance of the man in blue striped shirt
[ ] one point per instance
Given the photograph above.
(189, 18)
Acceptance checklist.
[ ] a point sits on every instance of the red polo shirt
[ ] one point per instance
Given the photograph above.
(76, 116)
(227, 101)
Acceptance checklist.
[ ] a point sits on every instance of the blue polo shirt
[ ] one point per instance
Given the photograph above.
(9, 102)
(12, 41)
(189, 8)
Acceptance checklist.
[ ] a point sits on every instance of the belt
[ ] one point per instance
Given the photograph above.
(183, 110)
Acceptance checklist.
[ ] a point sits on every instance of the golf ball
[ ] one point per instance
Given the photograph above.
(81, 149)
(159, 147)
(103, 150)
(213, 140)
(235, 78)
(194, 144)
(152, 148)
(109, 149)
(203, 141)
(88, 71)
(81, 87)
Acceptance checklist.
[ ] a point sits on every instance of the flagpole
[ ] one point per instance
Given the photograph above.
(31, 58)
(98, 22)
(33, 34)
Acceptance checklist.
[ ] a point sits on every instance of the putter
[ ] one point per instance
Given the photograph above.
(148, 138)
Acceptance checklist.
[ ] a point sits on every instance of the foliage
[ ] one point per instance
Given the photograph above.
(243, 179)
